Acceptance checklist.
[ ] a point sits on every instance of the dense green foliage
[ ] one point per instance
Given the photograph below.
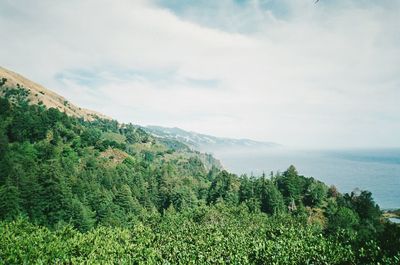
(100, 191)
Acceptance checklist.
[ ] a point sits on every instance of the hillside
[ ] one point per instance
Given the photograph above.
(203, 142)
(83, 161)
(39, 94)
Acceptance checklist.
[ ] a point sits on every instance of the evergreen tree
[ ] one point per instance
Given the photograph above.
(271, 199)
(225, 186)
(55, 196)
(10, 201)
(291, 185)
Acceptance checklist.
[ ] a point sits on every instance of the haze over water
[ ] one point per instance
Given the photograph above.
(375, 170)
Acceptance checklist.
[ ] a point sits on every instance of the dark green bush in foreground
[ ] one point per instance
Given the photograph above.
(207, 235)
(213, 236)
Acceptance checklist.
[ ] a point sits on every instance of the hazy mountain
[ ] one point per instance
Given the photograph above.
(203, 142)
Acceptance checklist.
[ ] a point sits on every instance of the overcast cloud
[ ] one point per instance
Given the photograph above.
(289, 71)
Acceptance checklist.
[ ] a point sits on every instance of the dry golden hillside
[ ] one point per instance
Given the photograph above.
(38, 93)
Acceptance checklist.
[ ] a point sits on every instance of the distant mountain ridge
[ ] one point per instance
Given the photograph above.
(204, 142)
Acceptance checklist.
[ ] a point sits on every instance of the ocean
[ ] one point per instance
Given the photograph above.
(376, 170)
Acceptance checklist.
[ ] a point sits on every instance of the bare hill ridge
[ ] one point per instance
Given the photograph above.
(38, 93)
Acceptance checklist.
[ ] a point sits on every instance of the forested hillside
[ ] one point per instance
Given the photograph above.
(78, 191)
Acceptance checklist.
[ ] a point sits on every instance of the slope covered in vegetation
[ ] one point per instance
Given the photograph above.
(76, 191)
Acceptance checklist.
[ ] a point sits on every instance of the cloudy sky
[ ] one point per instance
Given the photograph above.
(289, 71)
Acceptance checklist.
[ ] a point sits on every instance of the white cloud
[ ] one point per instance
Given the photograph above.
(320, 76)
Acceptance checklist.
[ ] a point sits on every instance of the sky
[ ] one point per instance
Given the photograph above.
(295, 72)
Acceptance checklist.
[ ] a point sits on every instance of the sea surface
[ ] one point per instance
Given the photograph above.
(394, 220)
(376, 170)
